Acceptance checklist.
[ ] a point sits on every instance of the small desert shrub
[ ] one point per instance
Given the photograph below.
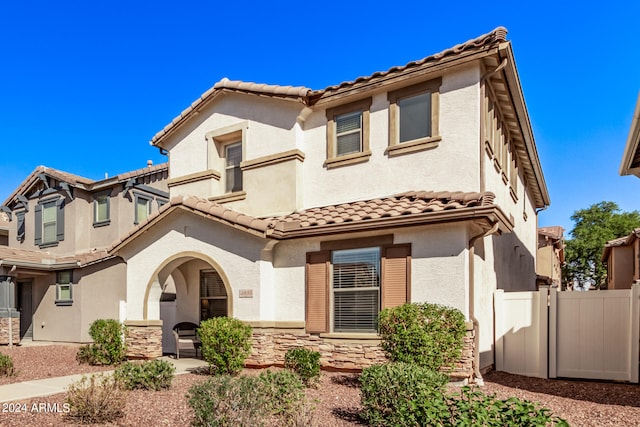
(226, 343)
(96, 399)
(428, 335)
(250, 401)
(109, 346)
(225, 401)
(283, 391)
(153, 375)
(305, 363)
(472, 408)
(6, 365)
(399, 394)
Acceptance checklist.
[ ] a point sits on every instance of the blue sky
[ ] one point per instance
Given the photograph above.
(85, 85)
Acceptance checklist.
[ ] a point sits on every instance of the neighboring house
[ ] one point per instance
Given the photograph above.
(4, 229)
(59, 227)
(622, 257)
(550, 255)
(305, 212)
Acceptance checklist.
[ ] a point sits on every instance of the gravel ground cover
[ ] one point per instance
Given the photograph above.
(337, 398)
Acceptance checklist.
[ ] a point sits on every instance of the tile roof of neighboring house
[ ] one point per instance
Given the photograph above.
(41, 260)
(409, 208)
(79, 181)
(554, 231)
(308, 96)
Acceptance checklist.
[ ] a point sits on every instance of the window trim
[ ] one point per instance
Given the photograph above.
(333, 160)
(59, 284)
(395, 146)
(96, 201)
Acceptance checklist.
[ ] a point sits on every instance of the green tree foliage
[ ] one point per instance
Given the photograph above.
(594, 227)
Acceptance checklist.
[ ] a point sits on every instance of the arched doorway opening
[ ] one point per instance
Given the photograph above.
(189, 287)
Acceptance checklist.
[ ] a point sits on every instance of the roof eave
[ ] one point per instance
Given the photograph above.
(492, 213)
(517, 96)
(631, 147)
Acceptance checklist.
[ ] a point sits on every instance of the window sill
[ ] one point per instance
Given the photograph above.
(347, 159)
(48, 245)
(351, 336)
(101, 223)
(413, 146)
(64, 303)
(229, 197)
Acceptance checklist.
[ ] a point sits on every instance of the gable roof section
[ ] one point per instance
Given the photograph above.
(630, 164)
(404, 209)
(79, 181)
(620, 241)
(45, 261)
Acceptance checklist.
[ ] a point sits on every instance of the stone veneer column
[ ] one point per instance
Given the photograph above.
(11, 317)
(144, 339)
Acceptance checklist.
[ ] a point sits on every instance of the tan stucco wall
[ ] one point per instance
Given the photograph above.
(622, 271)
(97, 291)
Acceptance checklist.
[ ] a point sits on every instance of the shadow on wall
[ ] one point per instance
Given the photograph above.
(514, 265)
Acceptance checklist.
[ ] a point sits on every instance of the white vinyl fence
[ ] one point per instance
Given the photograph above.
(550, 333)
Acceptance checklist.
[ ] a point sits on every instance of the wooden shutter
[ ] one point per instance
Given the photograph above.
(60, 219)
(317, 292)
(396, 269)
(38, 229)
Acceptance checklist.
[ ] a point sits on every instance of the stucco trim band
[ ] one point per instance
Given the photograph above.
(273, 159)
(194, 177)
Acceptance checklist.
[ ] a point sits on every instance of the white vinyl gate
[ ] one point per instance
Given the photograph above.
(550, 333)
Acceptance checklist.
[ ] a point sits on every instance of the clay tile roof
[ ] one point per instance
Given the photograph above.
(403, 204)
(202, 206)
(46, 261)
(554, 231)
(496, 36)
(620, 241)
(295, 92)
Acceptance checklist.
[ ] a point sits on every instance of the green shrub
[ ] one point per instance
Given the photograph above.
(250, 401)
(402, 394)
(6, 365)
(283, 391)
(472, 408)
(305, 363)
(109, 346)
(152, 375)
(96, 399)
(226, 343)
(224, 401)
(428, 335)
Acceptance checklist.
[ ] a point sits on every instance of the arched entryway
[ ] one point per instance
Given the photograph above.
(188, 287)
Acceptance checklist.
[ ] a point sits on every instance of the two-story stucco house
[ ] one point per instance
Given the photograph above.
(305, 212)
(59, 226)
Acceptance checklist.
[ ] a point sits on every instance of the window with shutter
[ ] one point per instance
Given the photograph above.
(49, 222)
(347, 288)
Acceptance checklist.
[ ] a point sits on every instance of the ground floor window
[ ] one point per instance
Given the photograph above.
(213, 295)
(64, 289)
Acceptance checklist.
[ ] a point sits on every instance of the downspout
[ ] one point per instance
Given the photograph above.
(476, 324)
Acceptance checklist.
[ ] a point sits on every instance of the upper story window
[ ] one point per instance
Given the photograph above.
(101, 210)
(233, 173)
(348, 134)
(49, 218)
(20, 230)
(414, 117)
(143, 208)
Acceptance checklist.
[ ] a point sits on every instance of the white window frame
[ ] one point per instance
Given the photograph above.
(96, 206)
(333, 290)
(50, 205)
(147, 200)
(231, 168)
(349, 132)
(61, 285)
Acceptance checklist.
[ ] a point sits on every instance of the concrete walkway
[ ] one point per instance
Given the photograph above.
(49, 386)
